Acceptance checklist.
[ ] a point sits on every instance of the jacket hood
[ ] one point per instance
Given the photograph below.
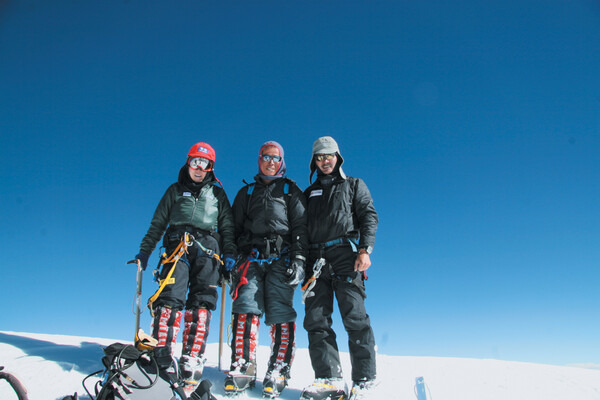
(326, 145)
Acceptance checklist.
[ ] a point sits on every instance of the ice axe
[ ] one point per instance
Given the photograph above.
(142, 340)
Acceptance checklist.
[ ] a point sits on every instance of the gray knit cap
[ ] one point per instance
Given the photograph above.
(325, 145)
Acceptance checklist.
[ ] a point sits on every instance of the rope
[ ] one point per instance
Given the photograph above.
(243, 280)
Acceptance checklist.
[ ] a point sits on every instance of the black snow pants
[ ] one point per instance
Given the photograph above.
(339, 278)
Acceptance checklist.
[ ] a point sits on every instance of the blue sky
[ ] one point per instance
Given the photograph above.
(476, 126)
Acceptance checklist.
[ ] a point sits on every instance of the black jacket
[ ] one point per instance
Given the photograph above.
(264, 212)
(340, 208)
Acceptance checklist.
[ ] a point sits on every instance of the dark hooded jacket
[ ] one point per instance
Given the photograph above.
(340, 207)
(266, 212)
(203, 206)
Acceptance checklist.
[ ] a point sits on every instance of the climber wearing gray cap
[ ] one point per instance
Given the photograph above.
(342, 222)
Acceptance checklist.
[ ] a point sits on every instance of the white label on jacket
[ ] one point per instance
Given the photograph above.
(318, 192)
(186, 194)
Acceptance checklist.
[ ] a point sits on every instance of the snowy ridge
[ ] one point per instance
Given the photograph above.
(53, 366)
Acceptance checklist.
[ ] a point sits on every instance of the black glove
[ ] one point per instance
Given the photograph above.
(143, 257)
(295, 272)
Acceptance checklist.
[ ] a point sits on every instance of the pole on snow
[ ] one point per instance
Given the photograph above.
(420, 388)
(223, 287)
(141, 340)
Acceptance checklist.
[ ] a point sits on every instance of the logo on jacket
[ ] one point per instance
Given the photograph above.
(317, 192)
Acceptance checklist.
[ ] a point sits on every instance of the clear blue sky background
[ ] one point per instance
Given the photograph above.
(475, 124)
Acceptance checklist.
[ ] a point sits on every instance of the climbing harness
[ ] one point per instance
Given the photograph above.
(209, 252)
(187, 240)
(242, 270)
(342, 240)
(181, 248)
(307, 289)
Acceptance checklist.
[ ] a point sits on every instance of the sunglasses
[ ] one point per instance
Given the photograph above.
(199, 163)
(321, 157)
(268, 157)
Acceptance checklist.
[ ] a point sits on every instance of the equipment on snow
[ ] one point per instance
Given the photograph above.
(420, 388)
(16, 385)
(131, 374)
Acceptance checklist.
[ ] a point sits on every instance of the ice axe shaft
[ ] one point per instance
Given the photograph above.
(223, 286)
(138, 294)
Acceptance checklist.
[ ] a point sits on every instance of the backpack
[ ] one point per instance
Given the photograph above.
(132, 374)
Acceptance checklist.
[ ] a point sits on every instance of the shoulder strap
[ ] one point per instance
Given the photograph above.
(249, 196)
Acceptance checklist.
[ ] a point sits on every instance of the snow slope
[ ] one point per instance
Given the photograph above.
(53, 366)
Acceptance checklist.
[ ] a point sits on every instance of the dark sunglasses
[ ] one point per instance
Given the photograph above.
(321, 157)
(268, 157)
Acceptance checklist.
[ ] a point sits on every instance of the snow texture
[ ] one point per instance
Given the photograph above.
(53, 366)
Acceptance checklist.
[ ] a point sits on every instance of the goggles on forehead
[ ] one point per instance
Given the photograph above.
(199, 163)
(268, 157)
(321, 157)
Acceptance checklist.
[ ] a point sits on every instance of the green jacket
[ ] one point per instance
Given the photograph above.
(208, 210)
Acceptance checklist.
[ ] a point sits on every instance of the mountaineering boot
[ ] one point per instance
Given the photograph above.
(362, 389)
(195, 333)
(325, 389)
(242, 374)
(283, 345)
(190, 369)
(165, 326)
(275, 381)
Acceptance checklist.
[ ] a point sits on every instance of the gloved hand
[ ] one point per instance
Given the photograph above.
(295, 272)
(143, 257)
(227, 267)
(229, 262)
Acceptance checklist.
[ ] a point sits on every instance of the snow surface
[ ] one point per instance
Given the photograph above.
(53, 366)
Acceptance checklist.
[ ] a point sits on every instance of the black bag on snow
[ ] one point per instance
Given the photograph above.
(131, 374)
